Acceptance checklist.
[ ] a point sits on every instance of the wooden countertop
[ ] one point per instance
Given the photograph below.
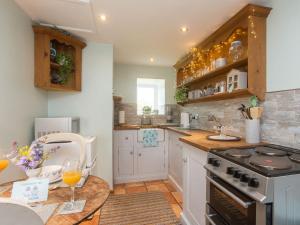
(198, 139)
(137, 127)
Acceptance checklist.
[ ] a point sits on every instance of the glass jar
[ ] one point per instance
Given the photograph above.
(236, 51)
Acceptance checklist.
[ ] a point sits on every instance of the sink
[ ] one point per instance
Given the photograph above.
(223, 138)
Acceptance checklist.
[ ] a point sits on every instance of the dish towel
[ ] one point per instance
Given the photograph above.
(150, 138)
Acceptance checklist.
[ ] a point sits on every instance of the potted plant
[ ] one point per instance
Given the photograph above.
(64, 71)
(146, 119)
(181, 94)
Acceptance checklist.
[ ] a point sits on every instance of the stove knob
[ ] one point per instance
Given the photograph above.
(245, 178)
(216, 163)
(230, 170)
(237, 174)
(253, 182)
(210, 160)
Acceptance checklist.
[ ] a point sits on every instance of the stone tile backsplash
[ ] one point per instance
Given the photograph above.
(280, 123)
(131, 116)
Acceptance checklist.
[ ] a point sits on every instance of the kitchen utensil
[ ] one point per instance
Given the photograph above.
(256, 112)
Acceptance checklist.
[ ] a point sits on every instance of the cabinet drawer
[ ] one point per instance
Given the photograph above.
(125, 138)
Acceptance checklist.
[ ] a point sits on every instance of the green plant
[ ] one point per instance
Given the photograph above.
(147, 110)
(181, 94)
(66, 66)
(253, 101)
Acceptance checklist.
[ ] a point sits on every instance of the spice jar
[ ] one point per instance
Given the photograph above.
(236, 51)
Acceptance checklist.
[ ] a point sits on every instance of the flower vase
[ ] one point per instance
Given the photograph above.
(31, 173)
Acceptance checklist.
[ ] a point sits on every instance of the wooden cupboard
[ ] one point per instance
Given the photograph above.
(49, 43)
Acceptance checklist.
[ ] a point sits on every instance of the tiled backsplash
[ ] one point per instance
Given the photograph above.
(280, 123)
(131, 116)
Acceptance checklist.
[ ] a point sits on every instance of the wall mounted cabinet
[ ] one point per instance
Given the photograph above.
(51, 74)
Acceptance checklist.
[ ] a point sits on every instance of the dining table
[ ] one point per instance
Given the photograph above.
(95, 191)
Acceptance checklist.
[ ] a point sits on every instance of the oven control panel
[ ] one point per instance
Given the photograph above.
(249, 182)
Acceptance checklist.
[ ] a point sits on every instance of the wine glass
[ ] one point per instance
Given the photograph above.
(71, 176)
(4, 161)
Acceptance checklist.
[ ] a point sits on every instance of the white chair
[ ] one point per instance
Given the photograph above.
(16, 213)
(75, 149)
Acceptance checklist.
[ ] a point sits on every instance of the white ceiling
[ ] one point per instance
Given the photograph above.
(138, 29)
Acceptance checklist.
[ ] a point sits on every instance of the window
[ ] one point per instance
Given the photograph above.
(151, 92)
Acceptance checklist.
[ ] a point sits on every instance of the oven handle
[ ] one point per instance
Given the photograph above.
(237, 199)
(209, 219)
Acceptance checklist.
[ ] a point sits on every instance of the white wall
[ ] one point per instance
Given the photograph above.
(20, 101)
(283, 45)
(94, 104)
(125, 80)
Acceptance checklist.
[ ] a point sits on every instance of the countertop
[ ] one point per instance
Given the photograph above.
(137, 127)
(196, 138)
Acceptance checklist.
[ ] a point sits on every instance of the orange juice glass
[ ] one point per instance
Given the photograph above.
(3, 164)
(71, 176)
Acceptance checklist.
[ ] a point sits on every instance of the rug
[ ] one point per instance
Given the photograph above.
(149, 208)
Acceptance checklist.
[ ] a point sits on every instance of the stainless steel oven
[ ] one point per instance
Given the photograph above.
(226, 205)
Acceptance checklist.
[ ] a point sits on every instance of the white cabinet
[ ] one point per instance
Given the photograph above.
(134, 162)
(175, 160)
(194, 185)
(125, 161)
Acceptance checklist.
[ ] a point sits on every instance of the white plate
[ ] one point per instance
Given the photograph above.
(53, 173)
(223, 138)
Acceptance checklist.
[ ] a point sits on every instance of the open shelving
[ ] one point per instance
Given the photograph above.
(254, 63)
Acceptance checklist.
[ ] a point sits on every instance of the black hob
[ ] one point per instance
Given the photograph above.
(268, 160)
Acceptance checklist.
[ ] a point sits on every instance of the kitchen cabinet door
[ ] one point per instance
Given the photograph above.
(175, 160)
(151, 160)
(125, 161)
(194, 187)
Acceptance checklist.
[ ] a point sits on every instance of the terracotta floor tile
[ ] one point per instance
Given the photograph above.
(170, 187)
(154, 182)
(157, 187)
(136, 190)
(176, 209)
(119, 189)
(170, 198)
(177, 196)
(135, 184)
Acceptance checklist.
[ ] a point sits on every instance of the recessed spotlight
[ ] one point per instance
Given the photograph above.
(102, 17)
(184, 29)
(151, 59)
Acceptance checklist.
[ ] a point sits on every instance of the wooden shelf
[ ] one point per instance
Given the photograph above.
(254, 63)
(44, 66)
(218, 97)
(219, 71)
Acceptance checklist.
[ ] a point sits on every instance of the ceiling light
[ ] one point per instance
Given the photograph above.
(102, 17)
(184, 29)
(151, 59)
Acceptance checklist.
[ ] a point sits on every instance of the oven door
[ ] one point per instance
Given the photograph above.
(227, 205)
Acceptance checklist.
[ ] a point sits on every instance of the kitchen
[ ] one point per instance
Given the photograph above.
(205, 107)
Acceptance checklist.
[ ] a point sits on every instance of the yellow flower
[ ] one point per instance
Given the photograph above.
(24, 151)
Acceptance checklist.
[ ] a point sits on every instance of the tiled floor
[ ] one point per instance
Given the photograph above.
(174, 198)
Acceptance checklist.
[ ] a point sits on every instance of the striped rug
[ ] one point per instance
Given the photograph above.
(149, 208)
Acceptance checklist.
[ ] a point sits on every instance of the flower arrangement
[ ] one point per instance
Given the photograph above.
(30, 157)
